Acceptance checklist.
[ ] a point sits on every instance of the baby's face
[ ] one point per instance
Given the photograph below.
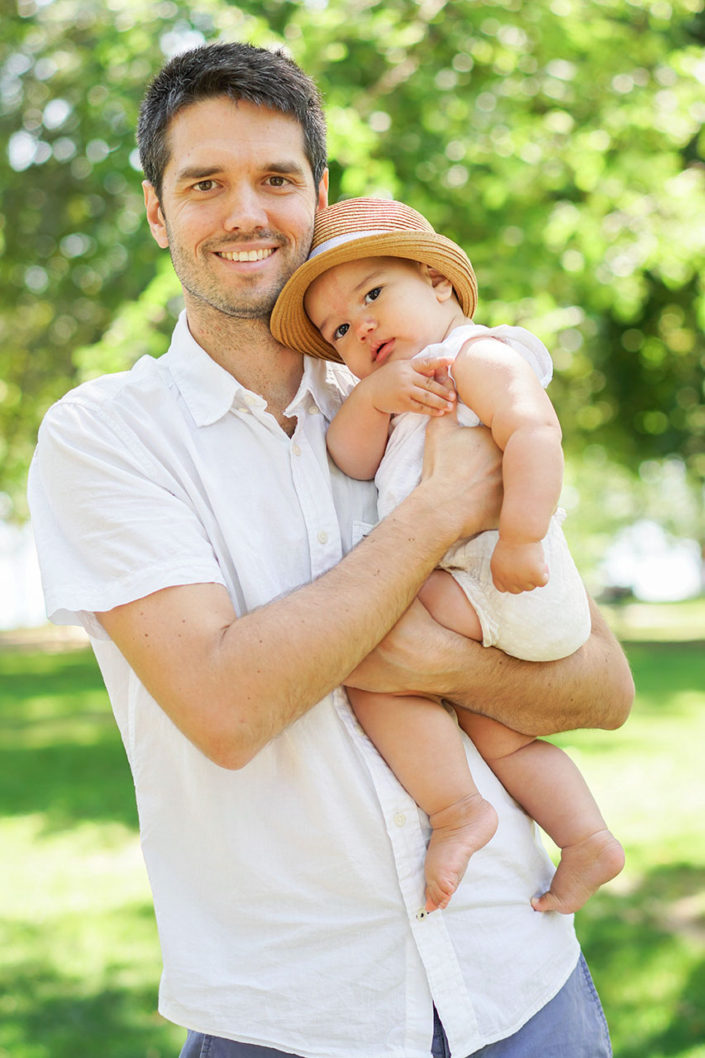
(378, 309)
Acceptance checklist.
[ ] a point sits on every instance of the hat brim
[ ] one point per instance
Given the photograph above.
(292, 327)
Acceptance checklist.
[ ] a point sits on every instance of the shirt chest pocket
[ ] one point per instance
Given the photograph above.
(360, 530)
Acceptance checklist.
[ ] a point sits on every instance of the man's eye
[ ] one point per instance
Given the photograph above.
(373, 294)
(204, 185)
(278, 181)
(341, 331)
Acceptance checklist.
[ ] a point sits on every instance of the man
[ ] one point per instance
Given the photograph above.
(187, 515)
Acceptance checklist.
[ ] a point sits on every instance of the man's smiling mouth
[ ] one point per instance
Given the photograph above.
(246, 255)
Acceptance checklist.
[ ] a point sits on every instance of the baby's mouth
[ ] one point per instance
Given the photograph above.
(383, 350)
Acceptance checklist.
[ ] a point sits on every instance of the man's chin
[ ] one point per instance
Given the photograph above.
(258, 306)
(260, 309)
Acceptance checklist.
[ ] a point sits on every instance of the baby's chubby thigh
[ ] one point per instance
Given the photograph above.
(545, 624)
(450, 606)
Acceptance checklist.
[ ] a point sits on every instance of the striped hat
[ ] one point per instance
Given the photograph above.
(365, 227)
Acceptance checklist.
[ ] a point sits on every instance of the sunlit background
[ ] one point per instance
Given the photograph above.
(561, 143)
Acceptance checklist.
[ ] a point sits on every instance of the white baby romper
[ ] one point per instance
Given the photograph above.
(540, 625)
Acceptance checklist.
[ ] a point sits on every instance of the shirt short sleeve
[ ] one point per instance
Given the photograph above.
(111, 523)
(531, 348)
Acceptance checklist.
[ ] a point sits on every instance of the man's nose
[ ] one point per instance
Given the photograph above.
(245, 210)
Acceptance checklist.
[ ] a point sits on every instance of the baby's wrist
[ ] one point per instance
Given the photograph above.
(370, 393)
(517, 540)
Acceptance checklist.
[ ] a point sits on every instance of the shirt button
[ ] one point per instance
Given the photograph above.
(322, 537)
(400, 819)
(251, 398)
(312, 409)
(296, 450)
(422, 913)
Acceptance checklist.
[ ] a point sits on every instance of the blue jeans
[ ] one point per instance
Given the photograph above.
(571, 1025)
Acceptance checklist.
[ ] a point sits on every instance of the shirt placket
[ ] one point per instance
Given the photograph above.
(313, 488)
(408, 838)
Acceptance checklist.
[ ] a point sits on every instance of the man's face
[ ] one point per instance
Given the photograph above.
(237, 205)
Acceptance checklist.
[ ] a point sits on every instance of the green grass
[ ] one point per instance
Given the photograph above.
(80, 961)
(666, 622)
(645, 933)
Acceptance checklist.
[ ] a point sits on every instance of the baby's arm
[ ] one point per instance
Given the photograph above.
(359, 432)
(500, 386)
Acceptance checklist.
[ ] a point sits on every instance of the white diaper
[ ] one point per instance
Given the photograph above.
(540, 625)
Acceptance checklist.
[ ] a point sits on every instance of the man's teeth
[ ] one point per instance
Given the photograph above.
(246, 255)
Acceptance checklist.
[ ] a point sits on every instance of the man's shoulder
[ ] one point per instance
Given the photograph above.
(107, 392)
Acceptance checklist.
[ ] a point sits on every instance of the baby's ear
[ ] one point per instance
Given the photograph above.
(440, 283)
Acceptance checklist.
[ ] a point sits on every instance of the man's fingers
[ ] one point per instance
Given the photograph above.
(446, 423)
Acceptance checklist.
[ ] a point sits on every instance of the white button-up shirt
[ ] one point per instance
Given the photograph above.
(288, 894)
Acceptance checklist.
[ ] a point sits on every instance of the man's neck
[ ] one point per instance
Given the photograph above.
(246, 349)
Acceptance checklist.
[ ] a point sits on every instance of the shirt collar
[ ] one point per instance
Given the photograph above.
(210, 391)
(324, 382)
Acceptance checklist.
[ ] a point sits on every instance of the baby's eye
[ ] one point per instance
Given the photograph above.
(373, 294)
(341, 331)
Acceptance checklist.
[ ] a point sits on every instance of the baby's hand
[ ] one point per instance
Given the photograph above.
(412, 385)
(518, 567)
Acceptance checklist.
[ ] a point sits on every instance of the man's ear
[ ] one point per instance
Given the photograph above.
(442, 286)
(322, 194)
(155, 217)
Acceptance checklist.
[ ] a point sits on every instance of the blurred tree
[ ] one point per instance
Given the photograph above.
(560, 143)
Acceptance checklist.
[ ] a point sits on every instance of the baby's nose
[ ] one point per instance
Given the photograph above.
(365, 327)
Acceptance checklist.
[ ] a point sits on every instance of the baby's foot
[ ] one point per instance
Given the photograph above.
(458, 830)
(583, 868)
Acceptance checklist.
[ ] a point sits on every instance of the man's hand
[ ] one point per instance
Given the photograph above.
(592, 688)
(472, 464)
(404, 659)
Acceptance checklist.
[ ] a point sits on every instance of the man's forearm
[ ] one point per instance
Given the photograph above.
(591, 688)
(231, 684)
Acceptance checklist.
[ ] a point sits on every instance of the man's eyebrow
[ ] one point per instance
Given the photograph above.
(204, 172)
(197, 172)
(285, 165)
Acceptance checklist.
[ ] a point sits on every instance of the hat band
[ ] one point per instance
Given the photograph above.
(338, 240)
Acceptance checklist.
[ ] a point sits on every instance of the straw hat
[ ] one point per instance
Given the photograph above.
(365, 227)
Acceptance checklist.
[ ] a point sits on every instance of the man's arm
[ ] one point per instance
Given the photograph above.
(231, 684)
(591, 688)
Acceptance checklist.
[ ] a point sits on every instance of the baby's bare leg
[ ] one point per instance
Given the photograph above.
(448, 604)
(547, 784)
(420, 742)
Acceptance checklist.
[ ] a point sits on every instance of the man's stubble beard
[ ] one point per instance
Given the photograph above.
(206, 291)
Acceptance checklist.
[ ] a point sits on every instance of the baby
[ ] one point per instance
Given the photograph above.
(393, 300)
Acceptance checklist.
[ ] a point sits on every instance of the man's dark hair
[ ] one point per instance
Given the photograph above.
(238, 71)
